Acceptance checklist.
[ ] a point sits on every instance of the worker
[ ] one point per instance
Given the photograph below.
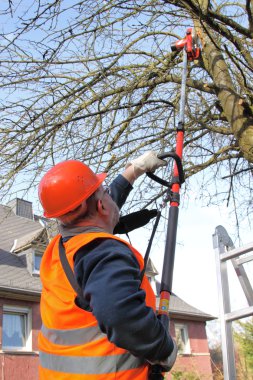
(109, 328)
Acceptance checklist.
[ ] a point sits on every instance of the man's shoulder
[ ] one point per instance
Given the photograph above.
(104, 246)
(108, 243)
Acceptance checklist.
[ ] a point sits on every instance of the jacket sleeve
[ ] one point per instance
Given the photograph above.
(109, 275)
(120, 189)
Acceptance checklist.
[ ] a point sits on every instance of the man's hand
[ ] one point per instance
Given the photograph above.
(147, 162)
(167, 363)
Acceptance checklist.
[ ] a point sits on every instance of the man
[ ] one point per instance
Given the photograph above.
(107, 328)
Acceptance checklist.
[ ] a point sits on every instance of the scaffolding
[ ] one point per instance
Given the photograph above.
(225, 251)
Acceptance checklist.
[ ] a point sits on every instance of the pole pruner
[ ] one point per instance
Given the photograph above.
(190, 46)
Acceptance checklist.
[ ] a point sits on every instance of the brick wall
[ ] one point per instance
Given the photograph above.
(198, 361)
(18, 365)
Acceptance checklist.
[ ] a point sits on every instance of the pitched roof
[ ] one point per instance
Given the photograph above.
(38, 237)
(182, 310)
(14, 276)
(16, 231)
(150, 268)
(13, 227)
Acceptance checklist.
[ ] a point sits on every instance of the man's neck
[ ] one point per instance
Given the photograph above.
(67, 231)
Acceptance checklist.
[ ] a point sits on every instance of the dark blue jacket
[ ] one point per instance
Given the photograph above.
(109, 275)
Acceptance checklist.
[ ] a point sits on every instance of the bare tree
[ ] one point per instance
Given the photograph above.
(97, 81)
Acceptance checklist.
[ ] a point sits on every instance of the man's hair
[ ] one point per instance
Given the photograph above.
(72, 217)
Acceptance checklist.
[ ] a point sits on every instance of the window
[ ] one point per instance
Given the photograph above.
(182, 339)
(16, 331)
(37, 256)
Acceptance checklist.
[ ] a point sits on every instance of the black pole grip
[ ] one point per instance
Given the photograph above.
(155, 373)
(170, 246)
(179, 168)
(167, 276)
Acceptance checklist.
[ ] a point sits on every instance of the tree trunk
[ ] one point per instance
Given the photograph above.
(237, 112)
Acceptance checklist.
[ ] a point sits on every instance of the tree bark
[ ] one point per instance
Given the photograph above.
(237, 112)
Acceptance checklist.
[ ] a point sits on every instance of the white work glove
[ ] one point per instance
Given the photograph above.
(167, 363)
(147, 162)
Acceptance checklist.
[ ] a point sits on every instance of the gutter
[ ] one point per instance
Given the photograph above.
(20, 294)
(176, 314)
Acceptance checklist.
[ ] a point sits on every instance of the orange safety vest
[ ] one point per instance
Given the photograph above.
(71, 344)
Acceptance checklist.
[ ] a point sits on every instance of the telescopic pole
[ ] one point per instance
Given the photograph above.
(191, 51)
(170, 245)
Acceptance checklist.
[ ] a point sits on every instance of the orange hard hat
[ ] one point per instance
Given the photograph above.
(66, 185)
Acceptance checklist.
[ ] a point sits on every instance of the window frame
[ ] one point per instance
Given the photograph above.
(187, 348)
(27, 312)
(36, 252)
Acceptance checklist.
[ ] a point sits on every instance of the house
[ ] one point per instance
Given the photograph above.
(22, 241)
(187, 327)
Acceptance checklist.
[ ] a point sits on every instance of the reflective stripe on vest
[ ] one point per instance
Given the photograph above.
(72, 336)
(89, 365)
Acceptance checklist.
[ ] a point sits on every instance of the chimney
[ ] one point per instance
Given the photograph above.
(20, 207)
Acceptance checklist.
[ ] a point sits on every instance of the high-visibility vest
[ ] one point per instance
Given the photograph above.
(71, 344)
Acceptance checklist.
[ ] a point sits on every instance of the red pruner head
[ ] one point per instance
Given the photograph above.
(191, 43)
(179, 45)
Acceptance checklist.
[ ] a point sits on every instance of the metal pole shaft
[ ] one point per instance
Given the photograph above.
(183, 89)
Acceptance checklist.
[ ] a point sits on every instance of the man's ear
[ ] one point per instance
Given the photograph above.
(100, 208)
